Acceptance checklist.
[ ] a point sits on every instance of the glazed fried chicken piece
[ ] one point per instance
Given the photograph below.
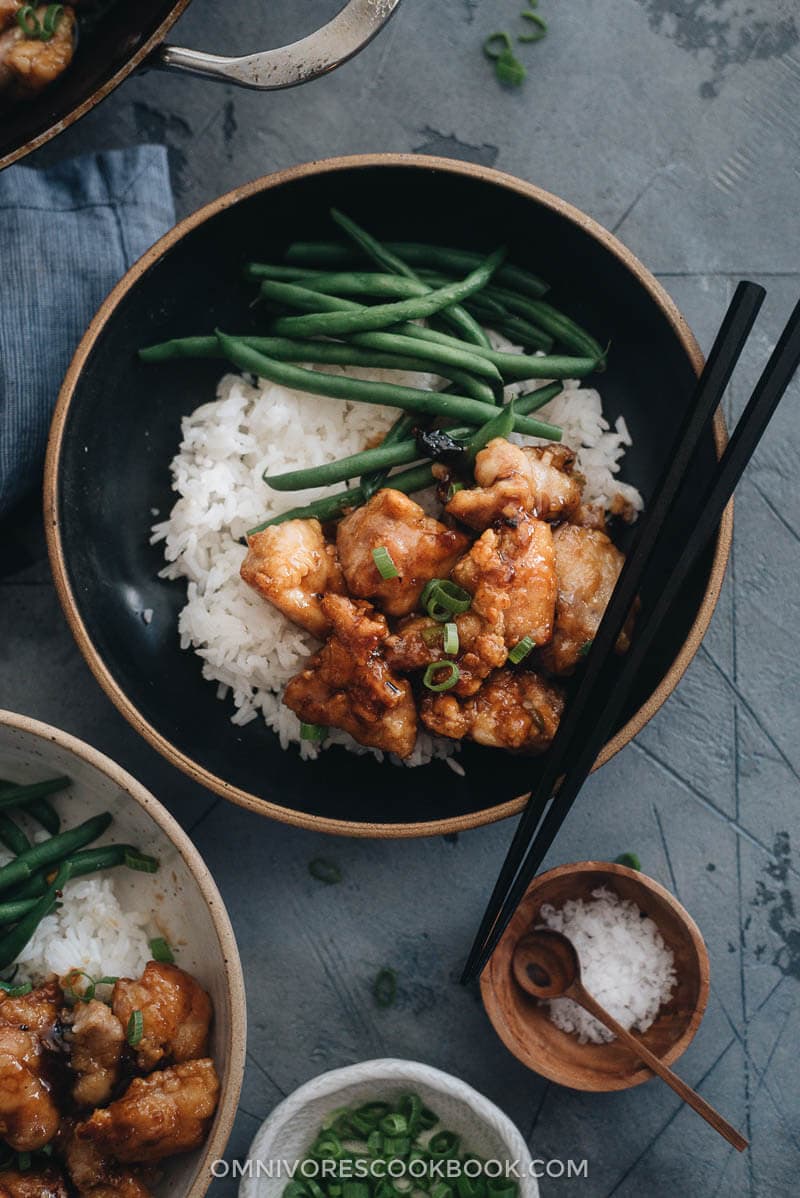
(348, 684)
(540, 480)
(587, 565)
(420, 547)
(514, 709)
(510, 572)
(417, 641)
(176, 1014)
(38, 1011)
(96, 1040)
(28, 64)
(46, 1183)
(95, 1175)
(29, 1117)
(292, 566)
(163, 1114)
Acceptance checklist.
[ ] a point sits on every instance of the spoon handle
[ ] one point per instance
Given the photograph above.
(689, 1096)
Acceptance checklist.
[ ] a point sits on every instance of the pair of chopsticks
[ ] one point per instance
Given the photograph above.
(594, 709)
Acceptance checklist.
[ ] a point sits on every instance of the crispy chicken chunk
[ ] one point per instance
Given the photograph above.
(541, 481)
(516, 710)
(510, 573)
(420, 547)
(97, 1040)
(37, 1011)
(96, 1175)
(418, 641)
(160, 1115)
(46, 1183)
(349, 684)
(176, 1014)
(291, 565)
(29, 1117)
(588, 565)
(27, 65)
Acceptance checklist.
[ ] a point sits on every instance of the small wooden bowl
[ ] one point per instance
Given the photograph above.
(524, 1025)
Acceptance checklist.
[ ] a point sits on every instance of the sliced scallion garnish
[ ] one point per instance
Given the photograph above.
(451, 639)
(12, 991)
(160, 951)
(325, 871)
(140, 862)
(135, 1029)
(384, 564)
(313, 732)
(521, 650)
(442, 599)
(437, 667)
(629, 859)
(384, 988)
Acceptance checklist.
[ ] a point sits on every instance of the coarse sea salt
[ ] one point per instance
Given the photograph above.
(624, 961)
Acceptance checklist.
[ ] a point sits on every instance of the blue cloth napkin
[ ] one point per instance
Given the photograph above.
(67, 235)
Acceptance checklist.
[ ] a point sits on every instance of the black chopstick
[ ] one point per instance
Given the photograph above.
(770, 389)
(707, 395)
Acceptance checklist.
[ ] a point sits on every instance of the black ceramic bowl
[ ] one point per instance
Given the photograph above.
(117, 426)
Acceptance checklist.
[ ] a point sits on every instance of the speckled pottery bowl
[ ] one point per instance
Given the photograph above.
(187, 907)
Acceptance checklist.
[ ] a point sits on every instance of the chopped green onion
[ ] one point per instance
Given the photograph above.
(135, 1028)
(585, 647)
(384, 988)
(444, 1144)
(442, 599)
(38, 30)
(313, 731)
(435, 668)
(383, 561)
(521, 650)
(140, 862)
(451, 639)
(50, 23)
(325, 871)
(507, 67)
(453, 489)
(394, 1125)
(160, 951)
(12, 991)
(89, 992)
(537, 34)
(28, 21)
(629, 859)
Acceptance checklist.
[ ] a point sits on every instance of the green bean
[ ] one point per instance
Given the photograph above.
(417, 359)
(14, 942)
(87, 861)
(325, 475)
(374, 480)
(19, 796)
(434, 403)
(523, 333)
(454, 315)
(333, 255)
(51, 851)
(382, 316)
(12, 911)
(499, 426)
(45, 814)
(512, 366)
(11, 836)
(531, 402)
(563, 328)
(408, 481)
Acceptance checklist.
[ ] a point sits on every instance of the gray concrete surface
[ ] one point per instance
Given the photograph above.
(676, 125)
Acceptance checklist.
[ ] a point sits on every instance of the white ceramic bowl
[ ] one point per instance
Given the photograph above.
(292, 1127)
(187, 905)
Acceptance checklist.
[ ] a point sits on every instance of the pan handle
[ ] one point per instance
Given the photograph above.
(320, 52)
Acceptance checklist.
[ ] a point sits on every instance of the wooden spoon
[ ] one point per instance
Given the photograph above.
(546, 965)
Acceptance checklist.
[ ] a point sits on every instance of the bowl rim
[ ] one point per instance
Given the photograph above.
(244, 798)
(330, 1083)
(233, 1073)
(489, 988)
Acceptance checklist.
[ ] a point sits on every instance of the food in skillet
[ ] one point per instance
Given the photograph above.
(449, 589)
(37, 43)
(102, 1077)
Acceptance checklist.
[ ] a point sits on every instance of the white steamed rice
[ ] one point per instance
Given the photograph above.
(247, 647)
(624, 961)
